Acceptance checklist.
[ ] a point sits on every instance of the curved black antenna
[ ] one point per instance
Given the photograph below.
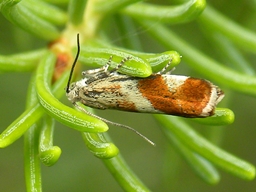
(74, 64)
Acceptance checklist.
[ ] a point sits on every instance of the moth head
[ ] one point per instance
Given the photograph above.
(72, 93)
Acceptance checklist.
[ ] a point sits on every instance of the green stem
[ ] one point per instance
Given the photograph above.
(21, 62)
(229, 28)
(127, 32)
(222, 116)
(91, 20)
(169, 14)
(200, 165)
(207, 150)
(122, 173)
(76, 11)
(98, 53)
(98, 145)
(202, 63)
(18, 127)
(31, 160)
(46, 11)
(21, 16)
(229, 52)
(135, 66)
(30, 116)
(111, 6)
(66, 115)
(48, 153)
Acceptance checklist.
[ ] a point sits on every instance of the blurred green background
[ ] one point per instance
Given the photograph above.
(160, 167)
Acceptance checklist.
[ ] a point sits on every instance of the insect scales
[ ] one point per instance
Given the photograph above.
(159, 93)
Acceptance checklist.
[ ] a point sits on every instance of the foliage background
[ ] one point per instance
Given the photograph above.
(160, 168)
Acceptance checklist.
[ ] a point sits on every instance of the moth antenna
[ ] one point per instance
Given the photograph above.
(116, 124)
(73, 65)
(126, 127)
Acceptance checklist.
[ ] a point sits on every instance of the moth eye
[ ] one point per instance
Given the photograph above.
(72, 86)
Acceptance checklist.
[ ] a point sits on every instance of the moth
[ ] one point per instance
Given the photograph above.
(161, 92)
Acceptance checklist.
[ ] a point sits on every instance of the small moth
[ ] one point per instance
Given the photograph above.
(159, 93)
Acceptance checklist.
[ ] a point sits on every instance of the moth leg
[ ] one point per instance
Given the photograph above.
(164, 70)
(103, 69)
(120, 64)
(106, 66)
